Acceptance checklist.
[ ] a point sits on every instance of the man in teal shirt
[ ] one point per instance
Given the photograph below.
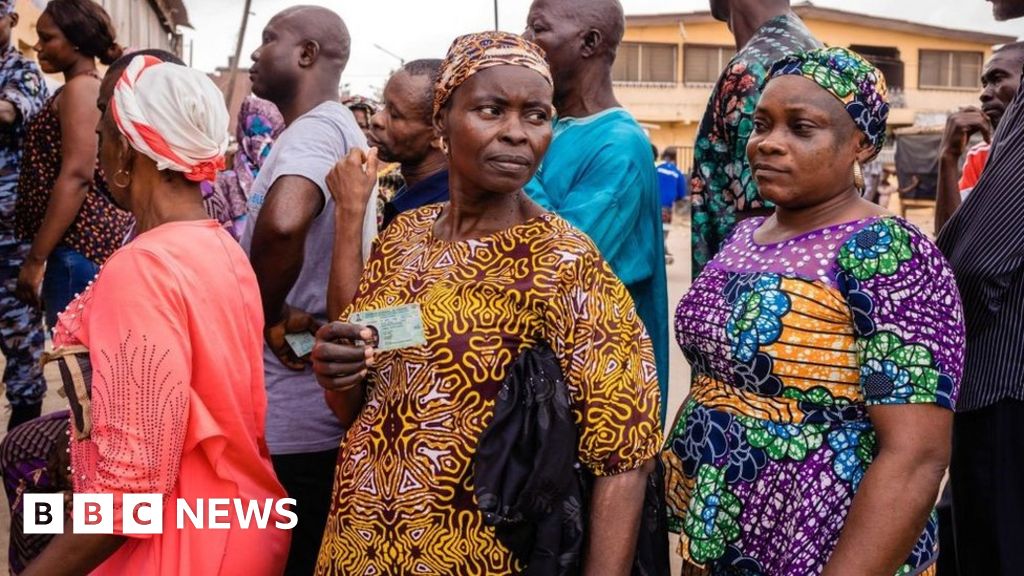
(599, 171)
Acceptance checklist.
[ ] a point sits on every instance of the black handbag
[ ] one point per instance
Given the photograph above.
(531, 487)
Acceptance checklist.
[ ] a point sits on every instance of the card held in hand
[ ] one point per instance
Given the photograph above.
(396, 328)
(301, 343)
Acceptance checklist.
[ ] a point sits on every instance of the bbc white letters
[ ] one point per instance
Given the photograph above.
(144, 514)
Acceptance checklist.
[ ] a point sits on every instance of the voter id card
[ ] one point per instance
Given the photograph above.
(301, 343)
(395, 328)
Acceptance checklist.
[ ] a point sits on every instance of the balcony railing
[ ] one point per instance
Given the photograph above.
(897, 98)
(682, 102)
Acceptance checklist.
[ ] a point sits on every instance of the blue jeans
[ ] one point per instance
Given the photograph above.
(67, 274)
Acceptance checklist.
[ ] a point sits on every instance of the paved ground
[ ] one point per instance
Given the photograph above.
(678, 282)
(679, 384)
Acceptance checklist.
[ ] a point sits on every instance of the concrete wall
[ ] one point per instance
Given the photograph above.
(137, 23)
(243, 87)
(676, 109)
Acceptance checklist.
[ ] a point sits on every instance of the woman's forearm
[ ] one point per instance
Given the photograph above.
(615, 510)
(888, 515)
(346, 260)
(65, 202)
(345, 404)
(72, 554)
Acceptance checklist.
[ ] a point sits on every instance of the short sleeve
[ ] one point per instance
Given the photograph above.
(608, 361)
(25, 89)
(313, 145)
(310, 158)
(134, 324)
(907, 313)
(973, 166)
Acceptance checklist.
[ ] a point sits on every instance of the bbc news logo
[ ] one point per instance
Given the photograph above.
(144, 514)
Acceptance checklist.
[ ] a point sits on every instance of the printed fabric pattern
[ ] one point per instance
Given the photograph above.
(99, 228)
(404, 490)
(790, 344)
(721, 182)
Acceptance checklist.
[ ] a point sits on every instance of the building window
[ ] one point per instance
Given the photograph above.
(945, 69)
(627, 63)
(655, 63)
(887, 59)
(704, 64)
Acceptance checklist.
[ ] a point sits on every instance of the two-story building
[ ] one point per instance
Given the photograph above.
(669, 63)
(139, 23)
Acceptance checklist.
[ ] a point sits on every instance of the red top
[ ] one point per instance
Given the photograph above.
(977, 156)
(174, 329)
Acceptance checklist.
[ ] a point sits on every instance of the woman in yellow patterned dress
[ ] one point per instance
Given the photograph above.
(493, 274)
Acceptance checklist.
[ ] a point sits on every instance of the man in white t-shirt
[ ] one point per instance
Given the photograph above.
(289, 238)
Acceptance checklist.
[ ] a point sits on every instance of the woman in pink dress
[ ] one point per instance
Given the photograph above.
(168, 412)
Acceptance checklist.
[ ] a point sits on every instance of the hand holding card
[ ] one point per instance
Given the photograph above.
(394, 328)
(301, 343)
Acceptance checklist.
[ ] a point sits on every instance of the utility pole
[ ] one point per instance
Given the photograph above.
(495, 15)
(238, 55)
(390, 53)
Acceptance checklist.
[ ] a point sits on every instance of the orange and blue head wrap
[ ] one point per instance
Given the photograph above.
(472, 53)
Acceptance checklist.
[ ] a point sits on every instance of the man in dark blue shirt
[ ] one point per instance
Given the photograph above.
(673, 190)
(403, 132)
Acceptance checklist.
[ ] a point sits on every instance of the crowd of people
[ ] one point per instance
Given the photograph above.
(440, 325)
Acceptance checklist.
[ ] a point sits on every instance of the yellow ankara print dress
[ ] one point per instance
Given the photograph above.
(403, 492)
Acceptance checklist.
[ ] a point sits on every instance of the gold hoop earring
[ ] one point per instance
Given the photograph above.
(127, 176)
(444, 147)
(858, 176)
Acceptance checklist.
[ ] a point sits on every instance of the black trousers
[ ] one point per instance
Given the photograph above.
(309, 479)
(987, 473)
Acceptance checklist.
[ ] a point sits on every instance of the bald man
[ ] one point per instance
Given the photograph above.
(599, 172)
(289, 238)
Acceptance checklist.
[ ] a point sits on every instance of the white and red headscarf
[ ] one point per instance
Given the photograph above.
(174, 115)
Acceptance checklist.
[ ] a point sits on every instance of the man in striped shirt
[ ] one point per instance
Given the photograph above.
(984, 241)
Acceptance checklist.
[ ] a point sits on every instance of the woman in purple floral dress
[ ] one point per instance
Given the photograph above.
(826, 343)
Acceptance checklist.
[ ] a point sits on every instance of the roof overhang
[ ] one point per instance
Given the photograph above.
(174, 13)
(807, 10)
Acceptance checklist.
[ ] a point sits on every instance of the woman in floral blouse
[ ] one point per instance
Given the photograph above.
(826, 343)
(64, 208)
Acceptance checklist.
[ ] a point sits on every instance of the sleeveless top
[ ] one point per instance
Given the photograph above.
(100, 227)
